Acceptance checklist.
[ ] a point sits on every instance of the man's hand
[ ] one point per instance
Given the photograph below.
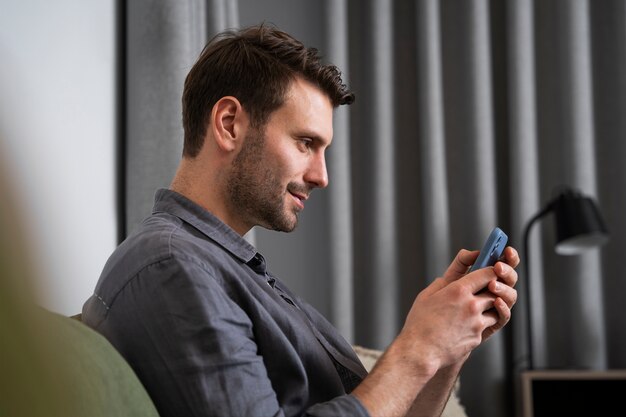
(448, 319)
(455, 314)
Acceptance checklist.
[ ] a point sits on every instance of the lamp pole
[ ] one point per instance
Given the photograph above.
(529, 332)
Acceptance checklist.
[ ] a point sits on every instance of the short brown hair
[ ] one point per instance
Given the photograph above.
(256, 65)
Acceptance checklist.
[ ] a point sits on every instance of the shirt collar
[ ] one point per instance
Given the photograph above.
(176, 204)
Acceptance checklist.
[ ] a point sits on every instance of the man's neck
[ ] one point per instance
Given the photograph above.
(199, 184)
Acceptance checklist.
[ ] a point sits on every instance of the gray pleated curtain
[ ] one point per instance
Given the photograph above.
(469, 114)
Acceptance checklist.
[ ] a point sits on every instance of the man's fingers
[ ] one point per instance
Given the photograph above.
(461, 263)
(504, 312)
(500, 314)
(511, 257)
(507, 293)
(479, 279)
(506, 273)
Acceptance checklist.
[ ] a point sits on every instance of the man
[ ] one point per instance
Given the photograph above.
(190, 304)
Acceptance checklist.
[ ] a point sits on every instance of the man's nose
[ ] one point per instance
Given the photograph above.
(317, 175)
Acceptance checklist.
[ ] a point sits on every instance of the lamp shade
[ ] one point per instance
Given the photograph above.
(579, 225)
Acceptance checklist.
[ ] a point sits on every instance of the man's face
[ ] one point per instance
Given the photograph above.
(279, 164)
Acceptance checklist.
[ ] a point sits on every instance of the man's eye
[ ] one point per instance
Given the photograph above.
(305, 143)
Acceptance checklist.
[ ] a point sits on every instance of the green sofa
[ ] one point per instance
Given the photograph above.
(58, 366)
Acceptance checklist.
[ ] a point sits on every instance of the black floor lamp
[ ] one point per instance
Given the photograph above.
(579, 226)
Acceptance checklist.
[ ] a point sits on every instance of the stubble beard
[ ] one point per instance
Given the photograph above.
(254, 189)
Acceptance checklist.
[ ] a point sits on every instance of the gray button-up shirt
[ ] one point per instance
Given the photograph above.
(209, 331)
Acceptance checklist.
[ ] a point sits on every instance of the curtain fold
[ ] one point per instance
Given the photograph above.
(524, 177)
(435, 210)
(372, 124)
(341, 310)
(608, 22)
(469, 114)
(523, 162)
(163, 40)
(220, 15)
(572, 285)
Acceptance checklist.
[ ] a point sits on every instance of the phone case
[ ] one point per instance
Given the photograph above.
(492, 250)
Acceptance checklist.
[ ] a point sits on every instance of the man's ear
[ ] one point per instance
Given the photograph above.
(229, 122)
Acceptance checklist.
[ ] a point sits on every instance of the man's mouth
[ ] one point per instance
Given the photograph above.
(299, 198)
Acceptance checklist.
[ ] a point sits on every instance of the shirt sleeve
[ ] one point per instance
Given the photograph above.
(194, 349)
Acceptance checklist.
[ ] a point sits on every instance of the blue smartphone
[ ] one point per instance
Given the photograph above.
(492, 250)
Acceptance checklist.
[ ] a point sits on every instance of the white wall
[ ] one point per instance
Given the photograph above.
(57, 130)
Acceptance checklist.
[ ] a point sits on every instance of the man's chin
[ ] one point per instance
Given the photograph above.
(287, 228)
(283, 224)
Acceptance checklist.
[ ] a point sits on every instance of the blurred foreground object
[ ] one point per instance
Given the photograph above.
(52, 365)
